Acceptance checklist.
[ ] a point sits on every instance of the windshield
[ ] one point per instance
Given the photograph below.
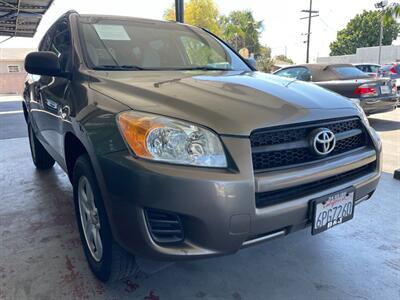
(129, 44)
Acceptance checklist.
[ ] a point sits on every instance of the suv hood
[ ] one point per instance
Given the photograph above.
(232, 102)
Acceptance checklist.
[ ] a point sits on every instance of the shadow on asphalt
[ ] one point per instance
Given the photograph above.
(384, 125)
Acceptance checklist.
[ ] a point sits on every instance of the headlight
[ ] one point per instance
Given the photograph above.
(164, 139)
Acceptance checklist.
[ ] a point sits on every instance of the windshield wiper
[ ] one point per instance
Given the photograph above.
(118, 67)
(203, 68)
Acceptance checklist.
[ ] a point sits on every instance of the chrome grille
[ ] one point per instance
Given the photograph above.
(286, 146)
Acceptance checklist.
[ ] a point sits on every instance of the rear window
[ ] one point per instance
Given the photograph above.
(349, 72)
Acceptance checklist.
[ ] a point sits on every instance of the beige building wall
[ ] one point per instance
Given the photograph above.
(12, 72)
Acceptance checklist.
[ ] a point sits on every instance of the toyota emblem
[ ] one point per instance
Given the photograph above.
(322, 141)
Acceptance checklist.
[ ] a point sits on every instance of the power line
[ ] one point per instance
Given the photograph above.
(311, 14)
(326, 24)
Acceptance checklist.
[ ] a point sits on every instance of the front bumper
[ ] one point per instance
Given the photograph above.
(217, 207)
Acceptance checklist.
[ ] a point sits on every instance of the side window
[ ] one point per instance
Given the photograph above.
(365, 69)
(300, 73)
(45, 43)
(304, 74)
(374, 69)
(200, 54)
(285, 73)
(61, 44)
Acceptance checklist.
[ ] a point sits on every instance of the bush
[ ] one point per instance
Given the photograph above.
(265, 64)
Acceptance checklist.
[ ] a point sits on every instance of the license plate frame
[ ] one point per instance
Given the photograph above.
(348, 195)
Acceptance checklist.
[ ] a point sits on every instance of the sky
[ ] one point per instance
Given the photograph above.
(282, 32)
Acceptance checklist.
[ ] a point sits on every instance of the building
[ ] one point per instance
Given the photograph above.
(12, 72)
(366, 55)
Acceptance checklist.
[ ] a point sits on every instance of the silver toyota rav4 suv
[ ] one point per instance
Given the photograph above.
(177, 148)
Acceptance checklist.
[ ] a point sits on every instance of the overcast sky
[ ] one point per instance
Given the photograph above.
(282, 24)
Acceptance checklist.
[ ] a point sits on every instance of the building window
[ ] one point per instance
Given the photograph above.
(13, 69)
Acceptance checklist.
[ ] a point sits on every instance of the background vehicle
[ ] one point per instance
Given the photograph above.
(177, 149)
(391, 71)
(371, 69)
(374, 95)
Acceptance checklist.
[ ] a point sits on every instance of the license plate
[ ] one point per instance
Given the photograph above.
(385, 89)
(332, 210)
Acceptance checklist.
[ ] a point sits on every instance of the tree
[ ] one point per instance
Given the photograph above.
(363, 31)
(265, 51)
(265, 64)
(284, 58)
(201, 13)
(240, 30)
(393, 10)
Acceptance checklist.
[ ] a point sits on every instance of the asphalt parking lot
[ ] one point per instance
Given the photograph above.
(41, 255)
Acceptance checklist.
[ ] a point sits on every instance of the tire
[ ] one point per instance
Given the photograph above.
(40, 157)
(107, 260)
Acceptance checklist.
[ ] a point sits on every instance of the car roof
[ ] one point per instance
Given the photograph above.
(323, 67)
(323, 72)
(367, 64)
(132, 19)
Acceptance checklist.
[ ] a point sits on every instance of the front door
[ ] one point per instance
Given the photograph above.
(53, 94)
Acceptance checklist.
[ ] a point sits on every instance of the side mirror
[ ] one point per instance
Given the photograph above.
(43, 63)
(252, 62)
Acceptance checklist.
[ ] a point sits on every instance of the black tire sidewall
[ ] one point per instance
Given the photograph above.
(101, 269)
(32, 142)
(40, 157)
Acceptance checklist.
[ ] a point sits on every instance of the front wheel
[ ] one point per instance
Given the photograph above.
(40, 157)
(107, 260)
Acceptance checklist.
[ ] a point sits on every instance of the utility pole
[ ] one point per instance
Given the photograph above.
(179, 11)
(311, 14)
(380, 40)
(381, 5)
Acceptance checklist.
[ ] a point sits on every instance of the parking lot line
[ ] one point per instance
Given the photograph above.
(10, 99)
(10, 112)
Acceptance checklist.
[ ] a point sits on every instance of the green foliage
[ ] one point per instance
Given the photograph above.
(265, 64)
(363, 31)
(199, 54)
(284, 58)
(201, 13)
(241, 30)
(265, 51)
(392, 11)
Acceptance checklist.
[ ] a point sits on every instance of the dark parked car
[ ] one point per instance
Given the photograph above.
(371, 69)
(178, 149)
(374, 95)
